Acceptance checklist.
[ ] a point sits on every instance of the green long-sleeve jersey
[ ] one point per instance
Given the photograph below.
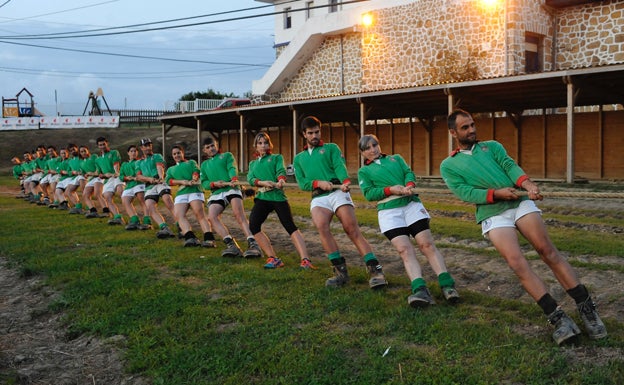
(324, 163)
(221, 167)
(474, 177)
(268, 167)
(184, 171)
(128, 169)
(377, 176)
(106, 162)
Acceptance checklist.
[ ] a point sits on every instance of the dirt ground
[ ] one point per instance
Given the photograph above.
(35, 350)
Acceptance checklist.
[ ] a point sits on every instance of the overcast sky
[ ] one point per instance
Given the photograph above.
(224, 56)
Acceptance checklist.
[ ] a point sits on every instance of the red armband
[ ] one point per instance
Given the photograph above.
(490, 196)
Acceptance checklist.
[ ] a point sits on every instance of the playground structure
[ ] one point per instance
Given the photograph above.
(11, 107)
(93, 101)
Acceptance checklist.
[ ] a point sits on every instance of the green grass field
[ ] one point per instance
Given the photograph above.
(192, 317)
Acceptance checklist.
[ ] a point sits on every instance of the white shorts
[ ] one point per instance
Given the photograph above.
(76, 180)
(157, 190)
(34, 178)
(47, 179)
(390, 219)
(111, 185)
(188, 198)
(133, 191)
(332, 201)
(509, 217)
(222, 197)
(64, 183)
(93, 181)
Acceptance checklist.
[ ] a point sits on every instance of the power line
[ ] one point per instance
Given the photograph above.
(65, 35)
(136, 56)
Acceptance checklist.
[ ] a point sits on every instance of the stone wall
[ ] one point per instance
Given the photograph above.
(334, 69)
(438, 41)
(591, 35)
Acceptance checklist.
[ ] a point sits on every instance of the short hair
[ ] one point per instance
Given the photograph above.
(130, 147)
(208, 141)
(310, 122)
(366, 140)
(101, 139)
(451, 120)
(265, 136)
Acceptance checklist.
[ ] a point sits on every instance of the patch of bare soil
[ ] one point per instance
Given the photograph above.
(35, 350)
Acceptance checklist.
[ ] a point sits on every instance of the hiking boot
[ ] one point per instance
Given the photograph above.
(92, 214)
(165, 232)
(306, 264)
(116, 221)
(192, 242)
(132, 226)
(450, 294)
(421, 298)
(377, 278)
(232, 250)
(565, 329)
(341, 276)
(209, 244)
(594, 326)
(273, 263)
(253, 249)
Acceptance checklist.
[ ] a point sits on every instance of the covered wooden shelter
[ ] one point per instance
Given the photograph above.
(513, 96)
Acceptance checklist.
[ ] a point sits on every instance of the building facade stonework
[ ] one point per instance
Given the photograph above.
(438, 41)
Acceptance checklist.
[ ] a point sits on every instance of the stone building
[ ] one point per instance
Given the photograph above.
(323, 48)
(544, 77)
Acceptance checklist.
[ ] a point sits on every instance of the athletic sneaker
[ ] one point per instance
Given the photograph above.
(192, 242)
(115, 221)
(145, 227)
(253, 249)
(63, 206)
(421, 298)
(450, 294)
(165, 232)
(306, 264)
(594, 326)
(377, 278)
(75, 210)
(209, 244)
(565, 329)
(53, 206)
(340, 278)
(92, 214)
(232, 250)
(273, 263)
(132, 226)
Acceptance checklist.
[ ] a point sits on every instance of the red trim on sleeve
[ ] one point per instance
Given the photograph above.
(315, 184)
(346, 181)
(521, 179)
(490, 196)
(410, 184)
(387, 191)
(212, 185)
(257, 182)
(171, 182)
(281, 177)
(234, 179)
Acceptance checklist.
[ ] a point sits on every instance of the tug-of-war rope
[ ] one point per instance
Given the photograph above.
(545, 194)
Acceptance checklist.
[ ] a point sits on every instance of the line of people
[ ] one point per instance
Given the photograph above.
(477, 172)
